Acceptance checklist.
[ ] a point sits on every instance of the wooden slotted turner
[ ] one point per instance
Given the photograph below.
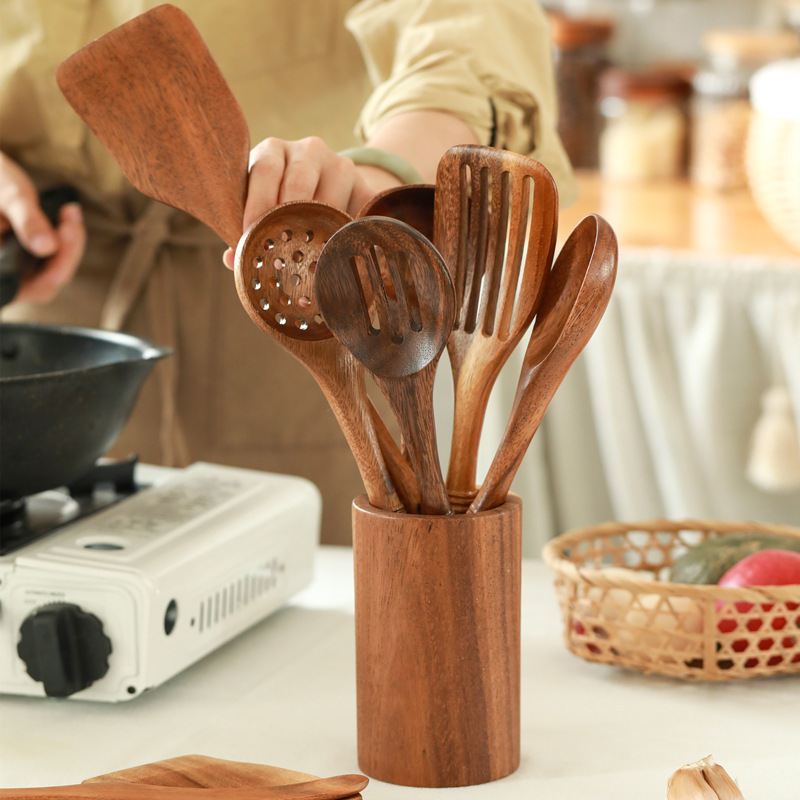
(153, 94)
(386, 294)
(576, 295)
(495, 223)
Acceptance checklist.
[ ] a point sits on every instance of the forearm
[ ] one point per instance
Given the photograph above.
(419, 137)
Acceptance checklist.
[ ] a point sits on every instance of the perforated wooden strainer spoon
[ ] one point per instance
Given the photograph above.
(385, 292)
(275, 268)
(495, 225)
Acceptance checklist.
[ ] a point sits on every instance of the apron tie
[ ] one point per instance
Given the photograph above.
(147, 268)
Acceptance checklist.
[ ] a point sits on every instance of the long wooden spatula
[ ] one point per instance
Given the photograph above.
(154, 96)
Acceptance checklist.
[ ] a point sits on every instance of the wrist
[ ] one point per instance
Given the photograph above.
(383, 160)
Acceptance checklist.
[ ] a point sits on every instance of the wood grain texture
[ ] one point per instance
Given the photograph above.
(336, 788)
(495, 223)
(261, 287)
(386, 295)
(411, 204)
(438, 645)
(203, 771)
(577, 292)
(154, 96)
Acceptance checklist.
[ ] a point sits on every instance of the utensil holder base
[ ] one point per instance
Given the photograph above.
(438, 644)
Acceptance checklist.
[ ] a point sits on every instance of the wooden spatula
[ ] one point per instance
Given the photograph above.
(154, 96)
(336, 788)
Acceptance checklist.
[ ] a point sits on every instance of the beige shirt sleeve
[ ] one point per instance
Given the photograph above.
(488, 62)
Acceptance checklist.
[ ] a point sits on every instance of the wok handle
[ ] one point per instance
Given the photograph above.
(16, 263)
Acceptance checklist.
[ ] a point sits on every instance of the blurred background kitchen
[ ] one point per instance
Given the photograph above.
(683, 120)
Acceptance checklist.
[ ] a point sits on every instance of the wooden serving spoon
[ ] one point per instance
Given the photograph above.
(336, 788)
(412, 204)
(275, 266)
(384, 291)
(495, 225)
(576, 295)
(154, 96)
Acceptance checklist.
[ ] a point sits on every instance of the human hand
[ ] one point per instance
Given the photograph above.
(62, 246)
(306, 169)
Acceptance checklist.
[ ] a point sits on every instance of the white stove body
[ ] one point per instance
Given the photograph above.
(171, 573)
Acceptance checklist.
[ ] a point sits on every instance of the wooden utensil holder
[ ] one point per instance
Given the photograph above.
(438, 644)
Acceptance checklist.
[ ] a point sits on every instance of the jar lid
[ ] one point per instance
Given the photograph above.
(751, 44)
(775, 89)
(651, 83)
(571, 33)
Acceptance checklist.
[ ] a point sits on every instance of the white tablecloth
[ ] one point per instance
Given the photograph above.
(284, 694)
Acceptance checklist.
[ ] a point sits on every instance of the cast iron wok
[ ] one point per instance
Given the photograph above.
(65, 394)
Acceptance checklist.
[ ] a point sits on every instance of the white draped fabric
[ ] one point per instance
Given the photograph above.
(656, 417)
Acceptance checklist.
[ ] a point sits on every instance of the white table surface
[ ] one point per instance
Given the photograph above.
(283, 693)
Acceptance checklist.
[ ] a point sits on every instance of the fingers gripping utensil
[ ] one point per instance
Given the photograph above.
(385, 293)
(154, 96)
(495, 225)
(412, 204)
(275, 264)
(577, 292)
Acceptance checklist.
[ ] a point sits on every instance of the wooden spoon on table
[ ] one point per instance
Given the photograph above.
(385, 292)
(336, 788)
(275, 268)
(577, 292)
(154, 96)
(495, 225)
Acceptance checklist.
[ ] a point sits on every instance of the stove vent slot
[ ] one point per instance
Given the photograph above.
(239, 594)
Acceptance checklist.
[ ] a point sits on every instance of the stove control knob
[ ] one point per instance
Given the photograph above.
(64, 647)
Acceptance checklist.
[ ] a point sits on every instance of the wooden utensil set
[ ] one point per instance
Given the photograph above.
(372, 293)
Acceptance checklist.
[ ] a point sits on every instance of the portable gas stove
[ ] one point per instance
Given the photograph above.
(117, 586)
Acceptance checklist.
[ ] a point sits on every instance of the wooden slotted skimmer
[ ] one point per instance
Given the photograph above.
(275, 268)
(386, 294)
(495, 224)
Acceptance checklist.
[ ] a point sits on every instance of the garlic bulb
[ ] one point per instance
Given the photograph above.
(702, 780)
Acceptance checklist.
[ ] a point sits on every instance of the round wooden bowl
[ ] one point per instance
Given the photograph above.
(619, 606)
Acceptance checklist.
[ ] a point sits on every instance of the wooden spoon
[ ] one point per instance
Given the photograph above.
(384, 291)
(336, 788)
(154, 96)
(275, 268)
(576, 295)
(495, 225)
(412, 204)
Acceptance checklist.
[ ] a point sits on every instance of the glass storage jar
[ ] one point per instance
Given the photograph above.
(721, 108)
(645, 124)
(580, 57)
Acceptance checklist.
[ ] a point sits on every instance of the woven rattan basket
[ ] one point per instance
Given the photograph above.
(619, 607)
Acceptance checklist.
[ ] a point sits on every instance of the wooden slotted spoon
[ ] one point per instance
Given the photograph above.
(154, 96)
(495, 225)
(577, 292)
(275, 268)
(385, 292)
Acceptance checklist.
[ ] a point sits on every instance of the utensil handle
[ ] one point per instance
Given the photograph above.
(352, 411)
(403, 478)
(336, 788)
(411, 399)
